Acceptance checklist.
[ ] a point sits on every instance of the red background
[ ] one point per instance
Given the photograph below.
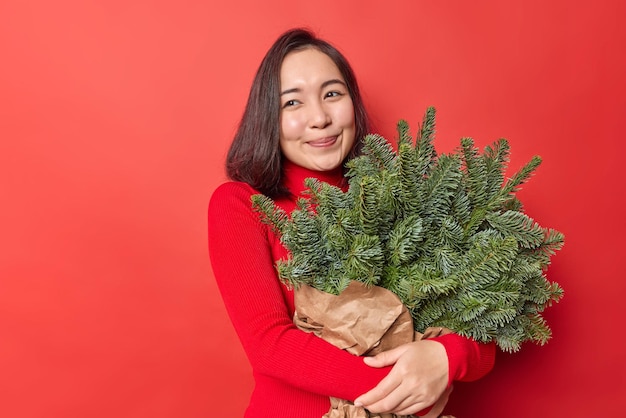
(114, 120)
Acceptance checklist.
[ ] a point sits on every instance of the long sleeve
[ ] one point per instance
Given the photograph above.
(243, 265)
(467, 359)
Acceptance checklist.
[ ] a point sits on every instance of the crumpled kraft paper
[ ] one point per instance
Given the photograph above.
(363, 321)
(340, 408)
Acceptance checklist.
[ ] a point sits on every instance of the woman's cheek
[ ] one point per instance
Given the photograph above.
(294, 124)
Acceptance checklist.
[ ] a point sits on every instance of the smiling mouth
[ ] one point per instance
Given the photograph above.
(323, 142)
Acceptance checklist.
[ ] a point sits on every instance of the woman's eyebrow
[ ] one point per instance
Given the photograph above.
(333, 81)
(324, 85)
(294, 90)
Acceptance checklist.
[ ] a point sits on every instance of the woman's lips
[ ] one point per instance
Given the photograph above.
(323, 142)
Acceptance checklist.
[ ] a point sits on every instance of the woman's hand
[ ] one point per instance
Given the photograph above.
(417, 380)
(439, 406)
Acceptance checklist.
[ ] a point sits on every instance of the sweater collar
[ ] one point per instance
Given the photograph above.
(295, 175)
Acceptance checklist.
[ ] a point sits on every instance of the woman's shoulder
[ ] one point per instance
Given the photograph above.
(230, 187)
(231, 192)
(231, 205)
(237, 195)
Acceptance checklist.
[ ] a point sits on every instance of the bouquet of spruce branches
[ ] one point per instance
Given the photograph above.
(445, 233)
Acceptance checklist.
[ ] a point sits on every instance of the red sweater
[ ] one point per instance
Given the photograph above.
(294, 372)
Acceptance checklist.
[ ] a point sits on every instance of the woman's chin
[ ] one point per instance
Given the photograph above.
(325, 165)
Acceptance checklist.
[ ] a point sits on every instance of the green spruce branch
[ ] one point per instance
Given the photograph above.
(443, 232)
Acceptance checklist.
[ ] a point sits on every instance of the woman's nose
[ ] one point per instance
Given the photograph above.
(318, 116)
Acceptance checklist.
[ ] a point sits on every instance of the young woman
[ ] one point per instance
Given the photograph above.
(305, 118)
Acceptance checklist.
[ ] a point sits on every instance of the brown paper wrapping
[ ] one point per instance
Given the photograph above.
(363, 321)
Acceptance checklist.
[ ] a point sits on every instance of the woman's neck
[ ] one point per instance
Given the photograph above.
(294, 176)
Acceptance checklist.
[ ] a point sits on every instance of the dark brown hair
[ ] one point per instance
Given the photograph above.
(254, 156)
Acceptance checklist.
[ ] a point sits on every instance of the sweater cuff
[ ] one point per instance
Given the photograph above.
(467, 359)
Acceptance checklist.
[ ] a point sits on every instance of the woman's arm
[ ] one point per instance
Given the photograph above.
(243, 267)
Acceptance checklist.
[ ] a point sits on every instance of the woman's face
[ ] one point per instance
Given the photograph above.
(317, 116)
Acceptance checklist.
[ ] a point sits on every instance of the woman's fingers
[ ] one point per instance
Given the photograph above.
(416, 381)
(437, 408)
(386, 358)
(381, 392)
(398, 391)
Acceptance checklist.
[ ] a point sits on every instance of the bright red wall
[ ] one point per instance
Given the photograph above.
(114, 120)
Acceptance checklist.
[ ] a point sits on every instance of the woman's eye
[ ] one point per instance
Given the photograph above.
(333, 94)
(289, 103)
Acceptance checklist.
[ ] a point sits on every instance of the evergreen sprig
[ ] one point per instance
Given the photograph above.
(443, 232)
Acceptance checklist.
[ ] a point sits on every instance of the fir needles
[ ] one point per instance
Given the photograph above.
(443, 232)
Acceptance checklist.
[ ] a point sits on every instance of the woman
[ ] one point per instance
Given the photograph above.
(305, 118)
